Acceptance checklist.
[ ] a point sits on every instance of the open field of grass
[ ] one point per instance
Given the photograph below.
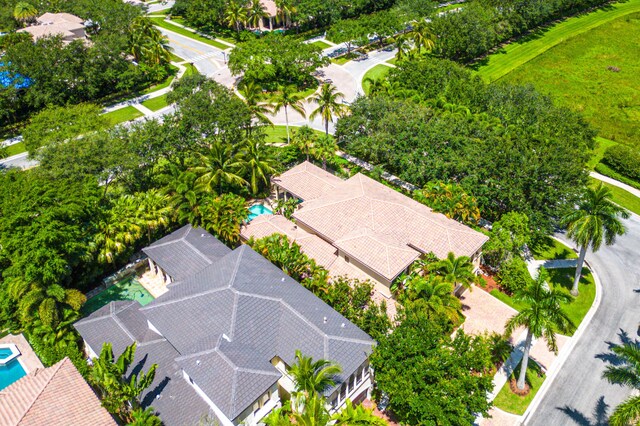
(123, 114)
(563, 277)
(375, 73)
(551, 249)
(176, 29)
(321, 44)
(278, 134)
(157, 103)
(595, 73)
(601, 146)
(512, 403)
(15, 149)
(518, 53)
(623, 198)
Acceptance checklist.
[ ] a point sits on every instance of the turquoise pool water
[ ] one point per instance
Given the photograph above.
(11, 372)
(258, 210)
(127, 289)
(5, 352)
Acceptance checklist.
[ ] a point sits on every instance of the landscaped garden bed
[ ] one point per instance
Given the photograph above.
(509, 401)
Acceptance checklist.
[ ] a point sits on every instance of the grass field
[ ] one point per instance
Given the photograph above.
(123, 114)
(512, 403)
(579, 74)
(375, 73)
(518, 53)
(321, 44)
(157, 103)
(15, 149)
(176, 29)
(622, 197)
(551, 249)
(563, 277)
(278, 134)
(601, 146)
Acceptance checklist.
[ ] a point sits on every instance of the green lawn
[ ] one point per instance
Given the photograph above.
(512, 403)
(601, 146)
(563, 277)
(157, 103)
(278, 134)
(375, 73)
(123, 114)
(518, 53)
(271, 96)
(392, 61)
(164, 84)
(176, 29)
(191, 70)
(552, 249)
(321, 44)
(16, 148)
(623, 198)
(594, 73)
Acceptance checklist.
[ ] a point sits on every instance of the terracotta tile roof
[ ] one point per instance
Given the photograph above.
(307, 181)
(270, 7)
(59, 18)
(57, 395)
(379, 226)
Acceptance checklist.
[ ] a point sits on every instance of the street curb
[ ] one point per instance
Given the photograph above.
(566, 351)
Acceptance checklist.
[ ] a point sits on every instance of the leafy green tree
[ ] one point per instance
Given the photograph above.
(313, 377)
(24, 12)
(352, 415)
(329, 105)
(224, 216)
(429, 376)
(324, 148)
(220, 168)
(288, 98)
(351, 32)
(252, 91)
(435, 297)
(45, 303)
(147, 417)
(514, 275)
(235, 15)
(120, 395)
(507, 239)
(60, 124)
(60, 335)
(596, 219)
(625, 373)
(451, 199)
(257, 163)
(285, 207)
(303, 139)
(285, 255)
(543, 317)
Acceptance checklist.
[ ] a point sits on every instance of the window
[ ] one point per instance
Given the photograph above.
(334, 402)
(265, 398)
(359, 376)
(351, 383)
(346, 259)
(256, 407)
(343, 392)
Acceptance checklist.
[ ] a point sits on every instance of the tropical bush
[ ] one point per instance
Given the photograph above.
(624, 160)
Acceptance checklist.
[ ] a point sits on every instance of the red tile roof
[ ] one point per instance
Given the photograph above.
(57, 395)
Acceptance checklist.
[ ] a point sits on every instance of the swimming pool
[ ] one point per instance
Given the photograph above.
(10, 368)
(258, 210)
(127, 289)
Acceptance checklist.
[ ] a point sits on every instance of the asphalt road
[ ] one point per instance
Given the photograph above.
(18, 161)
(579, 395)
(208, 59)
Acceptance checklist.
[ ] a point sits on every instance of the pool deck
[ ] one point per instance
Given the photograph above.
(28, 357)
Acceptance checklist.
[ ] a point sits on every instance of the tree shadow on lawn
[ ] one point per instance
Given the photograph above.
(564, 277)
(599, 417)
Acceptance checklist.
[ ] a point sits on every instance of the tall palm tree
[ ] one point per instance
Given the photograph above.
(235, 15)
(313, 377)
(328, 101)
(24, 12)
(185, 196)
(147, 43)
(543, 317)
(221, 166)
(357, 416)
(118, 229)
(257, 162)
(45, 303)
(288, 98)
(596, 219)
(303, 139)
(324, 147)
(435, 296)
(225, 216)
(455, 270)
(157, 49)
(286, 9)
(422, 36)
(252, 92)
(626, 373)
(58, 335)
(256, 13)
(153, 211)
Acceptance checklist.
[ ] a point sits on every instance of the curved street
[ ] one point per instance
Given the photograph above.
(579, 395)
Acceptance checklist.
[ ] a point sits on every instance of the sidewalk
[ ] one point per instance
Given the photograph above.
(614, 182)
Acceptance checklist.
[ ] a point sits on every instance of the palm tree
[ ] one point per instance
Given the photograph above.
(46, 303)
(313, 377)
(252, 92)
(285, 10)
(455, 270)
(257, 162)
(542, 317)
(377, 85)
(595, 219)
(225, 216)
(153, 210)
(58, 335)
(157, 48)
(404, 48)
(303, 139)
(256, 13)
(328, 105)
(235, 15)
(147, 43)
(118, 229)
(435, 296)
(288, 98)
(625, 373)
(185, 196)
(24, 12)
(324, 147)
(220, 167)
(357, 416)
(422, 36)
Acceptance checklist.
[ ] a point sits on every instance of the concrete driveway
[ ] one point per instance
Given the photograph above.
(485, 314)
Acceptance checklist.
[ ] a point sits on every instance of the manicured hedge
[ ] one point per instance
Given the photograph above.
(624, 160)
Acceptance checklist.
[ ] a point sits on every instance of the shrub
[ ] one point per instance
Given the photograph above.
(514, 274)
(624, 160)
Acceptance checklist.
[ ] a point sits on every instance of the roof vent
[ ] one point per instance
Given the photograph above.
(342, 325)
(282, 279)
(225, 337)
(325, 320)
(197, 362)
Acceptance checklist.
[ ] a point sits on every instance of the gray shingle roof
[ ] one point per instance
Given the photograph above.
(186, 251)
(224, 324)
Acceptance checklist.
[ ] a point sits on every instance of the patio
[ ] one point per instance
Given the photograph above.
(28, 357)
(485, 313)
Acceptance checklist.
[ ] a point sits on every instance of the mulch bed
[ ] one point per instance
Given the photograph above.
(490, 279)
(513, 385)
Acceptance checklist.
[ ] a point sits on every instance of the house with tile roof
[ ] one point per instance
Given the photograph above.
(52, 396)
(66, 25)
(224, 336)
(365, 224)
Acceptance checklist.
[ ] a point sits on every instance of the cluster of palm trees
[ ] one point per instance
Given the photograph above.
(24, 12)
(416, 41)
(147, 43)
(239, 14)
(308, 407)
